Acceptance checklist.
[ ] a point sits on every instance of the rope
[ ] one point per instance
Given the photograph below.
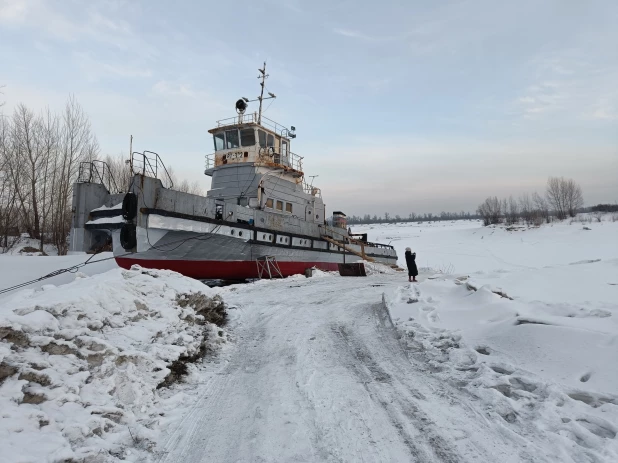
(55, 273)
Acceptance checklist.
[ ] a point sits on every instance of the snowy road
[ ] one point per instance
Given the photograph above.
(326, 379)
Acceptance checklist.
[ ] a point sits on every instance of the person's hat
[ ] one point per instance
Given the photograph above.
(408, 249)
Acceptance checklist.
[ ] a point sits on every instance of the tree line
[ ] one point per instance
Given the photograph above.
(562, 198)
(40, 156)
(412, 217)
(39, 161)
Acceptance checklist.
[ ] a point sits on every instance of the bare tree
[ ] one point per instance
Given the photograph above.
(542, 206)
(119, 170)
(76, 144)
(564, 196)
(574, 197)
(490, 210)
(512, 214)
(555, 196)
(8, 197)
(526, 206)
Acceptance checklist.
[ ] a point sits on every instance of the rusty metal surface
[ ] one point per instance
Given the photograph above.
(352, 270)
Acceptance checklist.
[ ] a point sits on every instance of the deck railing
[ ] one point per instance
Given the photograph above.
(266, 155)
(149, 164)
(253, 118)
(97, 172)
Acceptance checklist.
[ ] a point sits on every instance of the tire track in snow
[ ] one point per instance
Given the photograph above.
(415, 428)
(320, 375)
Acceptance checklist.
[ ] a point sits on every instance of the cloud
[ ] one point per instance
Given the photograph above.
(96, 69)
(173, 89)
(13, 11)
(361, 36)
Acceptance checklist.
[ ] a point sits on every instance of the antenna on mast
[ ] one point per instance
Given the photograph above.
(261, 98)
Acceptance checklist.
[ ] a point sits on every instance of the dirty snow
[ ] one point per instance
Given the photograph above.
(80, 364)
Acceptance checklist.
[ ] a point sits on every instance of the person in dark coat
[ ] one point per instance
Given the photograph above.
(411, 263)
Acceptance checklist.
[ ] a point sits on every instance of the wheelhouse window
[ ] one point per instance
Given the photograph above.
(270, 140)
(219, 141)
(262, 138)
(269, 203)
(288, 207)
(231, 137)
(279, 205)
(247, 137)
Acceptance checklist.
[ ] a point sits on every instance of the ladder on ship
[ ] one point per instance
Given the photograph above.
(268, 266)
(361, 254)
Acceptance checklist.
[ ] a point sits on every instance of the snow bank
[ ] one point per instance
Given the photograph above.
(80, 364)
(17, 269)
(544, 368)
(528, 326)
(24, 246)
(375, 268)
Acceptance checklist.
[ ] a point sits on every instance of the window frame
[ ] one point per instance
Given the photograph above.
(227, 140)
(214, 139)
(279, 203)
(288, 208)
(262, 138)
(269, 203)
(246, 130)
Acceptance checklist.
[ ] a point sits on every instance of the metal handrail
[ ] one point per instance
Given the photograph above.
(269, 155)
(312, 190)
(91, 171)
(253, 118)
(150, 166)
(292, 160)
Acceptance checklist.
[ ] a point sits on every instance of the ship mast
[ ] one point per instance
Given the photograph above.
(263, 76)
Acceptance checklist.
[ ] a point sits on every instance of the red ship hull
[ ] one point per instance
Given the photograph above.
(212, 269)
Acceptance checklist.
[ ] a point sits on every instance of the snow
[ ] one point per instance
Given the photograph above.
(104, 220)
(19, 244)
(16, 269)
(504, 351)
(106, 208)
(80, 364)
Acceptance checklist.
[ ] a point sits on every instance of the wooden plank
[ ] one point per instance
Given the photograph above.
(350, 250)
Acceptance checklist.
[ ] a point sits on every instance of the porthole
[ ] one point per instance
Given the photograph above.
(232, 232)
(264, 236)
(270, 237)
(239, 233)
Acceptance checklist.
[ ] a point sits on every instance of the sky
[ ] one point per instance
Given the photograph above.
(399, 106)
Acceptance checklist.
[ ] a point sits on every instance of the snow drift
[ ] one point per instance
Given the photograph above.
(80, 364)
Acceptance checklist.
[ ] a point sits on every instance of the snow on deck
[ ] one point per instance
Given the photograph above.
(107, 208)
(106, 220)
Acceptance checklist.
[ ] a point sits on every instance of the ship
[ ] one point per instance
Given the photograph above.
(260, 217)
